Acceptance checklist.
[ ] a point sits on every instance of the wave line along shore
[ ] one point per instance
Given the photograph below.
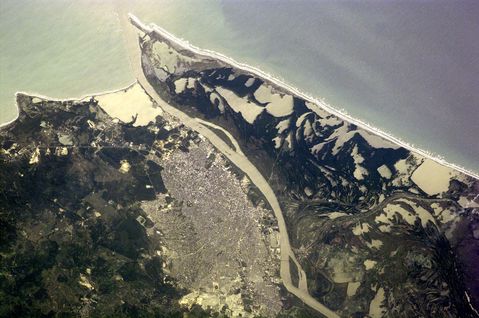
(54, 99)
(295, 91)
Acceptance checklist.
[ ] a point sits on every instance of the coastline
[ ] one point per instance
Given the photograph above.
(74, 99)
(236, 156)
(272, 79)
(297, 92)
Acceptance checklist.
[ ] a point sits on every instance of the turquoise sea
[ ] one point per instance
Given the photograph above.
(407, 67)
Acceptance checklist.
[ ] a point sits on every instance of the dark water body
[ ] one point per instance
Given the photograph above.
(408, 67)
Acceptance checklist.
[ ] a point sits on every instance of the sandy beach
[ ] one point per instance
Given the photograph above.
(295, 91)
(140, 101)
(75, 99)
(277, 82)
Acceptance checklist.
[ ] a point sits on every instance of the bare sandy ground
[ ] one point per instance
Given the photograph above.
(242, 163)
(128, 104)
(295, 91)
(432, 177)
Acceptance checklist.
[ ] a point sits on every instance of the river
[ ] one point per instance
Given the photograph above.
(238, 159)
(408, 68)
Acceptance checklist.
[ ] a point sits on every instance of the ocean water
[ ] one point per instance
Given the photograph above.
(59, 49)
(407, 67)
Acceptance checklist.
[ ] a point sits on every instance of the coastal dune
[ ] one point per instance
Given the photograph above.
(432, 178)
(294, 91)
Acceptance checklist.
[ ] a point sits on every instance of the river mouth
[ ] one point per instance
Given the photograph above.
(330, 182)
(358, 220)
(97, 61)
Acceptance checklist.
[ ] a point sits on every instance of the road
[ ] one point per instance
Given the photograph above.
(237, 158)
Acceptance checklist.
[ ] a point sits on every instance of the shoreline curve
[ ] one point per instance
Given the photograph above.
(269, 77)
(54, 99)
(152, 27)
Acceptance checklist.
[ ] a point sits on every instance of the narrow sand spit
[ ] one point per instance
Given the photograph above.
(294, 91)
(287, 255)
